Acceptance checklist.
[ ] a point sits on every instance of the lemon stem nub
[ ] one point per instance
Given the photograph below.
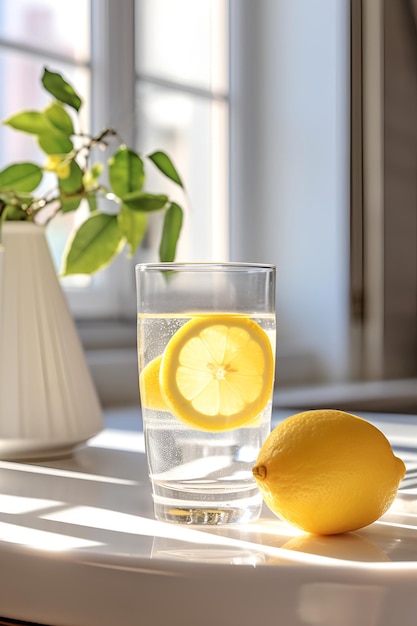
(259, 471)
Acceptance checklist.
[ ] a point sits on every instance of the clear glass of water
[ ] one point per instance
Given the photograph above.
(206, 351)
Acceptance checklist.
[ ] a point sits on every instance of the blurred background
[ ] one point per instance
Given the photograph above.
(294, 126)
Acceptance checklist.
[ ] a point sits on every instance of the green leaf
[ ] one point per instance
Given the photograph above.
(51, 139)
(15, 214)
(61, 89)
(20, 177)
(73, 182)
(141, 201)
(133, 226)
(166, 166)
(72, 188)
(170, 232)
(70, 203)
(93, 246)
(55, 142)
(92, 202)
(126, 172)
(60, 119)
(32, 122)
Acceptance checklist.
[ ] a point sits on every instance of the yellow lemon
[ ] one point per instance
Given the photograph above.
(217, 372)
(150, 390)
(328, 471)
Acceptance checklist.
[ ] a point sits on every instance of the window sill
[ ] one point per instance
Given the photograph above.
(384, 396)
(107, 334)
(110, 349)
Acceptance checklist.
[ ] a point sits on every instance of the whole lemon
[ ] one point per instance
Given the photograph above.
(328, 471)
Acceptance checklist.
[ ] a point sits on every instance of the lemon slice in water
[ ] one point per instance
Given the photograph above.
(150, 390)
(217, 372)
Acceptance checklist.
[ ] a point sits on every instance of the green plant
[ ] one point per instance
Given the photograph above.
(78, 177)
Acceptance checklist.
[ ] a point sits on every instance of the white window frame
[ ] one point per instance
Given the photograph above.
(112, 291)
(114, 82)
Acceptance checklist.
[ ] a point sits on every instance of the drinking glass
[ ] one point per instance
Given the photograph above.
(206, 352)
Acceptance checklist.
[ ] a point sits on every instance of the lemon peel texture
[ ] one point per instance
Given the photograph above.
(328, 472)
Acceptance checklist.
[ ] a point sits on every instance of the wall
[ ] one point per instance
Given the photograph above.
(290, 172)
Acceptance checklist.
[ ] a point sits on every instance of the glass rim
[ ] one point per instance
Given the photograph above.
(203, 266)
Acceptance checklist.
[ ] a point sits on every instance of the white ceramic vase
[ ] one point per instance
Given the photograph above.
(48, 402)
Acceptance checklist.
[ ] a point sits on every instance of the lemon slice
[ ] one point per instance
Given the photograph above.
(217, 372)
(150, 390)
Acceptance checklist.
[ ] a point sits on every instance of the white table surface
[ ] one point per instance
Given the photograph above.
(79, 546)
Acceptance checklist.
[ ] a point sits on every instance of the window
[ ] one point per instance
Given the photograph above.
(136, 90)
(253, 102)
(182, 98)
(35, 33)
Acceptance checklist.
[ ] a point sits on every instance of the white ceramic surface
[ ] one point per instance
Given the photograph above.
(79, 546)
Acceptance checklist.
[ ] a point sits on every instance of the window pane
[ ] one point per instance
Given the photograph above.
(183, 41)
(193, 132)
(24, 73)
(59, 27)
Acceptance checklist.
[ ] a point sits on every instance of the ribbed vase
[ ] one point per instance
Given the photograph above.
(48, 402)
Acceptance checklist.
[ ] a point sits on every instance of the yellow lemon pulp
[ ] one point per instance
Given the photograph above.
(328, 471)
(150, 390)
(217, 372)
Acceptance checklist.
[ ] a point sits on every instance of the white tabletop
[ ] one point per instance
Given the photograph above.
(79, 545)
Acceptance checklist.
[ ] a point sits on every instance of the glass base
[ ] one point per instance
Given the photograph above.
(207, 516)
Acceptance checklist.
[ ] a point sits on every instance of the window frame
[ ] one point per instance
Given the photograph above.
(114, 94)
(112, 47)
(384, 193)
(111, 293)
